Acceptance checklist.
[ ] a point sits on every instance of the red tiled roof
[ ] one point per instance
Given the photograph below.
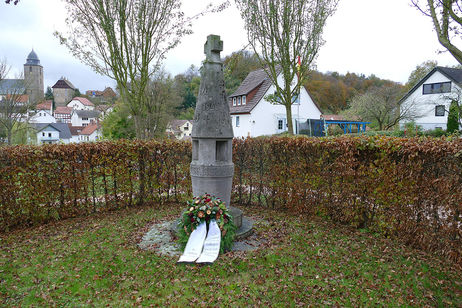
(88, 130)
(45, 105)
(23, 98)
(63, 110)
(75, 130)
(84, 101)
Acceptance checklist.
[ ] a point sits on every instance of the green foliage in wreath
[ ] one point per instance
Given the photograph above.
(203, 209)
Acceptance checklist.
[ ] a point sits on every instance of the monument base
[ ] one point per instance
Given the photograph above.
(243, 224)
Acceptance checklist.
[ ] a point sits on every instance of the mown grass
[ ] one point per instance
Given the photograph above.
(95, 261)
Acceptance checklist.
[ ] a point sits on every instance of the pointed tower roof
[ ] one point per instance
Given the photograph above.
(32, 58)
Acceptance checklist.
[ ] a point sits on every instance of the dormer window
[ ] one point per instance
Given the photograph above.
(234, 101)
(239, 101)
(244, 100)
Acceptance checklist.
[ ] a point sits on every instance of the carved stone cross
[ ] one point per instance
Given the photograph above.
(212, 48)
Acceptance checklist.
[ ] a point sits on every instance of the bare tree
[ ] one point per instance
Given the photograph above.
(159, 104)
(14, 103)
(446, 16)
(381, 106)
(283, 33)
(126, 40)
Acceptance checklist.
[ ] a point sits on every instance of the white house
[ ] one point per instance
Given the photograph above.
(252, 115)
(84, 117)
(50, 133)
(105, 110)
(430, 98)
(180, 128)
(81, 103)
(43, 113)
(91, 132)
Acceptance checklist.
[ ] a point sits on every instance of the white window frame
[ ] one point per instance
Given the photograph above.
(234, 101)
(238, 121)
(244, 100)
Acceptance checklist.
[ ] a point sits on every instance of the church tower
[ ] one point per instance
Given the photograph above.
(33, 78)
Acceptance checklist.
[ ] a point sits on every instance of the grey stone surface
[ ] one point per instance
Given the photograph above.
(160, 239)
(212, 167)
(245, 230)
(237, 216)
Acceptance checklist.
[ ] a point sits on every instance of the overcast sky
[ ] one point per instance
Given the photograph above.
(388, 38)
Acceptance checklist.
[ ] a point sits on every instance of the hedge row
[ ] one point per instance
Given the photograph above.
(402, 188)
(51, 182)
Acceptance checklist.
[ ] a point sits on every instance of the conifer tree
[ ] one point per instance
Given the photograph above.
(453, 118)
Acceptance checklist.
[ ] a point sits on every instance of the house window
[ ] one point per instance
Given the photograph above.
(439, 111)
(244, 100)
(49, 135)
(280, 124)
(234, 101)
(237, 121)
(43, 134)
(84, 119)
(296, 99)
(434, 88)
(239, 101)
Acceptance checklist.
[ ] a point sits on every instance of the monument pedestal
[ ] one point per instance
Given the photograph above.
(243, 224)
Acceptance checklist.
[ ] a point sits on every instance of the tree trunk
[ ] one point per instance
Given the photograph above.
(290, 127)
(9, 136)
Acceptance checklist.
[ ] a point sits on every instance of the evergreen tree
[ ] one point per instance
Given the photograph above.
(49, 94)
(453, 118)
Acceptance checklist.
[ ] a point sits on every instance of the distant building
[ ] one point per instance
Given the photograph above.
(81, 103)
(51, 133)
(84, 117)
(429, 99)
(180, 129)
(105, 110)
(31, 85)
(33, 78)
(253, 115)
(63, 92)
(43, 113)
(90, 133)
(63, 114)
(106, 95)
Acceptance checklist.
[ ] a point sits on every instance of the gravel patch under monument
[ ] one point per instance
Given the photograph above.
(160, 238)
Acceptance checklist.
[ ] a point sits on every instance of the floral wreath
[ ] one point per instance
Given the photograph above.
(203, 209)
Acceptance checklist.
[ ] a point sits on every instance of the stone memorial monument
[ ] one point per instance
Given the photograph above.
(212, 167)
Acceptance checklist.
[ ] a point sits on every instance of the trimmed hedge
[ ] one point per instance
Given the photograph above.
(51, 182)
(398, 187)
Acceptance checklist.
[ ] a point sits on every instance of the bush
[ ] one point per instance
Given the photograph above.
(406, 188)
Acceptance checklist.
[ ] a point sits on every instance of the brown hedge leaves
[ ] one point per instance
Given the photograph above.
(402, 188)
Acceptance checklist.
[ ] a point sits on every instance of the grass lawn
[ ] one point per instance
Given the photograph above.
(94, 261)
